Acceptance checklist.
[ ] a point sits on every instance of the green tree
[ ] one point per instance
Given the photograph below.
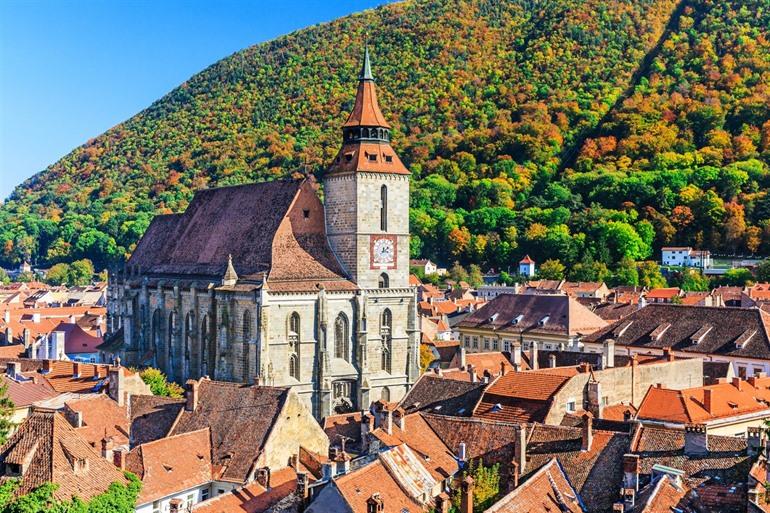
(762, 271)
(4, 278)
(738, 277)
(81, 272)
(626, 273)
(695, 280)
(486, 485)
(6, 413)
(475, 278)
(650, 275)
(551, 269)
(159, 384)
(458, 273)
(59, 274)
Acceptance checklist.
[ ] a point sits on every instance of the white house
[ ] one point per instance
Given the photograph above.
(686, 257)
(527, 267)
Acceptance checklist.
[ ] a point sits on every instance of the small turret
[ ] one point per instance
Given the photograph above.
(231, 277)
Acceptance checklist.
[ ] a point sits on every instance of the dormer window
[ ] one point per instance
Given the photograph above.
(516, 320)
(372, 157)
(544, 320)
(306, 213)
(348, 157)
(388, 158)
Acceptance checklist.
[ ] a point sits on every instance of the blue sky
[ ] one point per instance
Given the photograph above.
(69, 70)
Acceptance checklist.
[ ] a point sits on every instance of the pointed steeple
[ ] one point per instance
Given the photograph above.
(366, 111)
(366, 68)
(366, 134)
(231, 277)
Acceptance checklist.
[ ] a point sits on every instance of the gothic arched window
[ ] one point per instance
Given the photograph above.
(157, 330)
(294, 367)
(385, 394)
(384, 208)
(386, 333)
(246, 326)
(341, 337)
(293, 338)
(384, 281)
(188, 336)
(204, 341)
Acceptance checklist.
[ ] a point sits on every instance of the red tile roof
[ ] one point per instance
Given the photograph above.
(703, 404)
(27, 392)
(546, 491)
(171, 464)
(49, 450)
(253, 498)
(663, 293)
(102, 418)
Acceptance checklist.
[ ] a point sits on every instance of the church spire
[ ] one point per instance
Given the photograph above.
(366, 68)
(366, 111)
(231, 277)
(366, 134)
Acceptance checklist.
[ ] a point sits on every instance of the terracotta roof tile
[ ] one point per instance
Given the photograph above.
(171, 464)
(240, 418)
(102, 417)
(50, 450)
(442, 396)
(152, 417)
(253, 498)
(546, 491)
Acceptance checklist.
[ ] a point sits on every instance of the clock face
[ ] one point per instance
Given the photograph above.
(383, 252)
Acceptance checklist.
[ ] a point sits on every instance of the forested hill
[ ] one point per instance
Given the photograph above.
(592, 131)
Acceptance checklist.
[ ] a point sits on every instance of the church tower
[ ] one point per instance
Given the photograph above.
(366, 192)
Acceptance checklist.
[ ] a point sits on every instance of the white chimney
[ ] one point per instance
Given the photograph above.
(36, 317)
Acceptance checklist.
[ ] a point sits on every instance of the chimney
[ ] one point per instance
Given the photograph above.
(76, 369)
(618, 507)
(462, 452)
(78, 418)
(708, 399)
(466, 495)
(107, 449)
(26, 337)
(695, 440)
(754, 440)
(462, 358)
(374, 504)
(47, 366)
(303, 489)
(400, 418)
(631, 469)
(533, 355)
(520, 447)
(588, 432)
(12, 370)
(515, 475)
(516, 354)
(629, 498)
(58, 346)
(263, 477)
(192, 395)
(7, 316)
(552, 360)
(502, 368)
(472, 373)
(367, 426)
(594, 389)
(72, 319)
(738, 383)
(443, 503)
(119, 458)
(327, 471)
(117, 386)
(608, 354)
(36, 318)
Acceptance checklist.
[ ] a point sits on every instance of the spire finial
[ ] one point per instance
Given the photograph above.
(366, 69)
(230, 277)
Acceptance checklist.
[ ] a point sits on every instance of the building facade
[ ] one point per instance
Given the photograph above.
(265, 283)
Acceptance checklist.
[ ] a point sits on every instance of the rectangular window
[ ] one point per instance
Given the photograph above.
(467, 341)
(220, 491)
(475, 342)
(571, 406)
(189, 501)
(742, 371)
(156, 507)
(507, 346)
(605, 400)
(486, 344)
(205, 494)
(495, 344)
